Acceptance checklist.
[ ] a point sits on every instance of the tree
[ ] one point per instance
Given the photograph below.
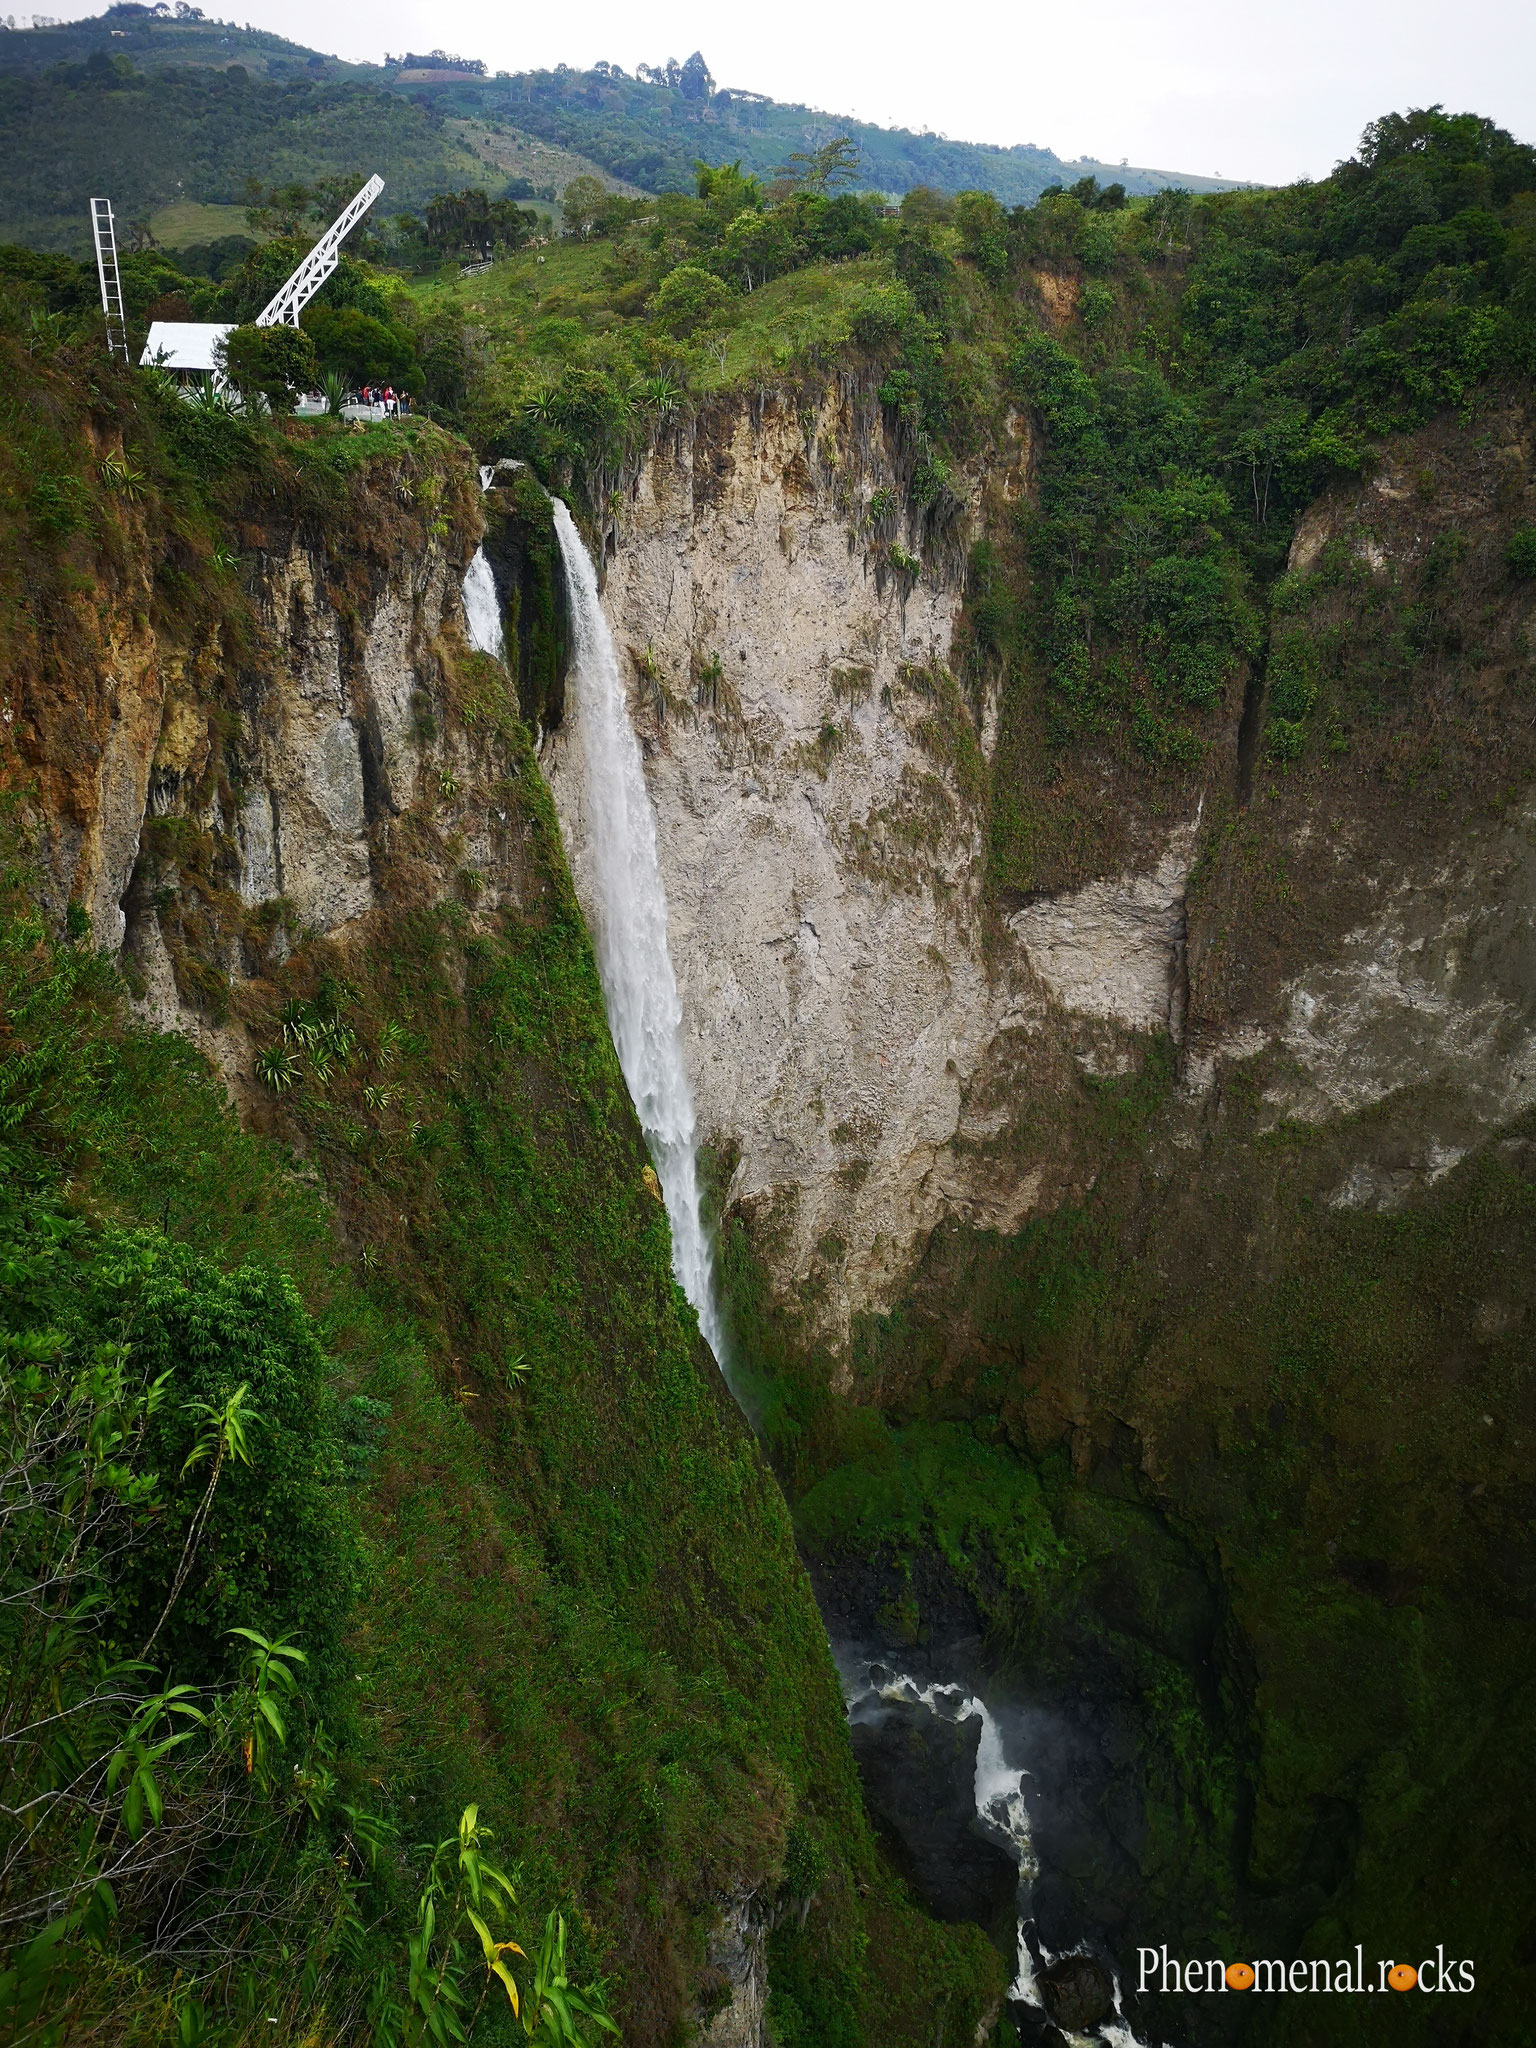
(693, 80)
(820, 170)
(760, 246)
(361, 349)
(471, 221)
(279, 210)
(725, 191)
(983, 229)
(689, 298)
(580, 204)
(273, 363)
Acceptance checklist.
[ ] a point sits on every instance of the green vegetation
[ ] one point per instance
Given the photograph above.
(272, 364)
(409, 1529)
(158, 110)
(1229, 358)
(198, 133)
(653, 128)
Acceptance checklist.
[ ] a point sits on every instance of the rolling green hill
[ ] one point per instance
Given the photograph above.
(191, 132)
(651, 129)
(158, 111)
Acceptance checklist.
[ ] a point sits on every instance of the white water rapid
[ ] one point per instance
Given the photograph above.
(482, 608)
(645, 1014)
(999, 1796)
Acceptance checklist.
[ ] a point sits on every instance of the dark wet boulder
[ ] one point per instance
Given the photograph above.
(919, 1776)
(1078, 1993)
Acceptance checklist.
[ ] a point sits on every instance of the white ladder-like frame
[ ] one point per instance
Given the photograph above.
(105, 237)
(285, 308)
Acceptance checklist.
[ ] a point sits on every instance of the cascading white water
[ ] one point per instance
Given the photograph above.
(645, 1014)
(999, 1796)
(482, 608)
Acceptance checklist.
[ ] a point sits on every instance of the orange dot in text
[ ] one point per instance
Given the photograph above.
(1402, 1976)
(1239, 1976)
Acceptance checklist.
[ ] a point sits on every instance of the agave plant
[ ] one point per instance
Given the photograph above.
(211, 397)
(335, 390)
(120, 475)
(160, 379)
(277, 1067)
(659, 394)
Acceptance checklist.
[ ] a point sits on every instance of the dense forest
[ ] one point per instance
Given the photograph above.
(650, 129)
(196, 132)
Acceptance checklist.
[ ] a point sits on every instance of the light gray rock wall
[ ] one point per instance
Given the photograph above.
(340, 736)
(855, 1031)
(872, 1053)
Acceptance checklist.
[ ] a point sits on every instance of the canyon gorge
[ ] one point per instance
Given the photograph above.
(773, 1100)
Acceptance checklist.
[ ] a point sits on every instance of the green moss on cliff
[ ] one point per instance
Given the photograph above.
(521, 546)
(580, 1607)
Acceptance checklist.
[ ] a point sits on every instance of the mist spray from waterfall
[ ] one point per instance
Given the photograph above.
(645, 1014)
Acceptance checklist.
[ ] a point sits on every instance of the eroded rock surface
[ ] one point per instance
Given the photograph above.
(817, 780)
(862, 1034)
(876, 1044)
(210, 810)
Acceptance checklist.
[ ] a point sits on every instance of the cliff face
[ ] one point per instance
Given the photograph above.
(1197, 1185)
(221, 789)
(876, 1045)
(306, 820)
(874, 1038)
(859, 1022)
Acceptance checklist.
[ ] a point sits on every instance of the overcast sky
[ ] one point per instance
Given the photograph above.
(1269, 92)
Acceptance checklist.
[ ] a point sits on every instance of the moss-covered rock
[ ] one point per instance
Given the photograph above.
(524, 555)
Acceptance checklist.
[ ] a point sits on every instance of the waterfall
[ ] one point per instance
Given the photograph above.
(645, 1014)
(482, 608)
(645, 1017)
(998, 1792)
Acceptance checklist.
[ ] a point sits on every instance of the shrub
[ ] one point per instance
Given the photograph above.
(364, 350)
(273, 363)
(1292, 676)
(1521, 553)
(688, 298)
(1286, 738)
(1095, 304)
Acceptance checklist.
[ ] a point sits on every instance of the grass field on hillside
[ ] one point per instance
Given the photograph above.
(186, 224)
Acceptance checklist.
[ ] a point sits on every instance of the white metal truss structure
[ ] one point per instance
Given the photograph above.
(106, 270)
(284, 310)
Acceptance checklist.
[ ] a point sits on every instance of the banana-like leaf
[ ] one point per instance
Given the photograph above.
(499, 1969)
(487, 1939)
